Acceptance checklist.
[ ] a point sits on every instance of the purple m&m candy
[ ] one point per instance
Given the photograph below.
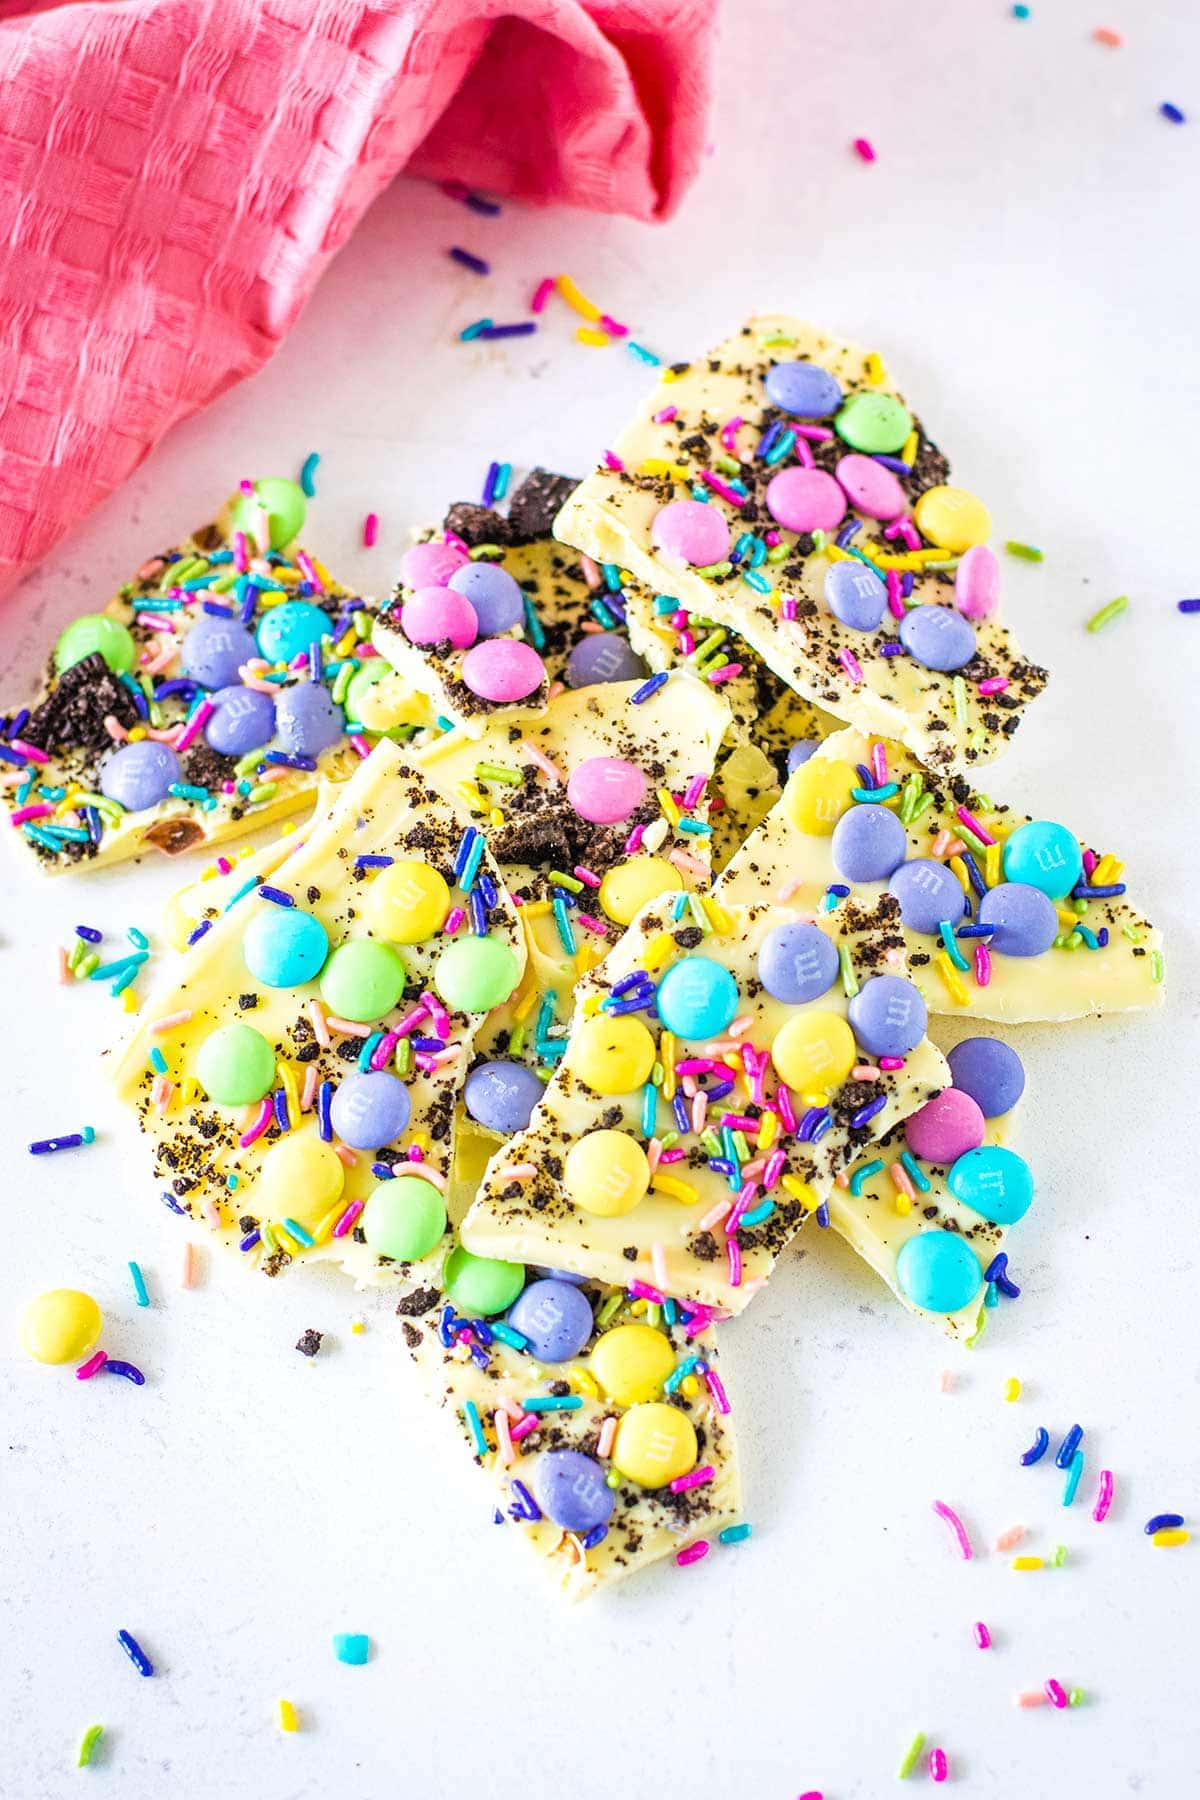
(854, 596)
(1024, 919)
(502, 1096)
(803, 389)
(495, 596)
(870, 488)
(799, 753)
(242, 720)
(430, 565)
(306, 719)
(437, 615)
(797, 963)
(603, 656)
(556, 1317)
(571, 1490)
(503, 670)
(945, 1128)
(806, 500)
(606, 789)
(928, 892)
(887, 1015)
(991, 1072)
(977, 583)
(370, 1110)
(692, 532)
(137, 776)
(214, 650)
(868, 842)
(937, 637)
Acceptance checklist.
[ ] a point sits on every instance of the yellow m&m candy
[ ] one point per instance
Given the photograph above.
(655, 1444)
(614, 1056)
(301, 1178)
(407, 903)
(606, 1173)
(814, 1050)
(819, 793)
(631, 1362)
(61, 1326)
(952, 519)
(625, 889)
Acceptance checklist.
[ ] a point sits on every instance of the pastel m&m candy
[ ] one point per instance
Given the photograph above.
(613, 1055)
(555, 1316)
(235, 1065)
(800, 752)
(888, 1015)
(283, 503)
(945, 1128)
(870, 488)
(138, 776)
(655, 1444)
(628, 886)
(214, 650)
(570, 1489)
(855, 597)
(606, 789)
(362, 980)
(308, 719)
(473, 974)
(503, 670)
(61, 1326)
(797, 963)
(937, 637)
(691, 532)
(437, 615)
(939, 1271)
(869, 843)
(94, 632)
(697, 997)
(431, 564)
(301, 1178)
(496, 598)
(606, 1173)
(803, 389)
(805, 500)
(406, 903)
(994, 1182)
(1044, 855)
(502, 1095)
(481, 1286)
(875, 423)
(290, 630)
(242, 720)
(369, 1109)
(631, 1363)
(990, 1071)
(952, 519)
(977, 583)
(814, 1050)
(819, 793)
(928, 892)
(1023, 919)
(284, 946)
(601, 657)
(404, 1219)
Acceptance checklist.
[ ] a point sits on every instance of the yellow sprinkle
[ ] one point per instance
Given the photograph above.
(818, 1097)
(668, 375)
(1170, 1536)
(666, 1049)
(991, 865)
(289, 1718)
(190, 1090)
(585, 959)
(1106, 871)
(495, 817)
(344, 644)
(912, 444)
(419, 1140)
(768, 1130)
(357, 1327)
(902, 1204)
(950, 976)
(638, 1308)
(1024, 1563)
(1068, 920)
(136, 733)
(1012, 1389)
(130, 1001)
(875, 371)
(536, 909)
(801, 1191)
(659, 465)
(586, 1381)
(471, 794)
(718, 918)
(577, 301)
(669, 809)
(678, 1190)
(287, 828)
(657, 951)
(210, 873)
(689, 1387)
(959, 868)
(321, 1232)
(599, 340)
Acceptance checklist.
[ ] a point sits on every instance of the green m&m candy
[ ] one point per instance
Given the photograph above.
(282, 501)
(235, 1065)
(875, 423)
(481, 1285)
(362, 980)
(404, 1218)
(92, 632)
(474, 974)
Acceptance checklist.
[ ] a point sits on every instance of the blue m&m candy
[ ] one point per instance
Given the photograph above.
(697, 998)
(994, 1182)
(869, 843)
(887, 1015)
(289, 630)
(370, 1109)
(855, 596)
(496, 597)
(937, 637)
(938, 1270)
(601, 657)
(991, 1072)
(1024, 920)
(214, 650)
(307, 720)
(556, 1317)
(803, 389)
(502, 1095)
(1043, 855)
(571, 1490)
(797, 963)
(137, 776)
(284, 946)
(928, 892)
(242, 720)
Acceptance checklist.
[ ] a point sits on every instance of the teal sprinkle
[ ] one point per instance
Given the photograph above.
(643, 355)
(663, 604)
(729, 1149)
(503, 477)
(598, 610)
(125, 979)
(679, 906)
(308, 470)
(446, 724)
(231, 1181)
(52, 793)
(296, 1230)
(158, 606)
(471, 1415)
(827, 903)
(952, 950)
(649, 1109)
(37, 836)
(370, 1046)
(67, 834)
(919, 1178)
(138, 938)
(612, 577)
(507, 1335)
(992, 1296)
(473, 330)
(550, 1049)
(760, 1215)
(695, 827)
(243, 788)
(466, 880)
(783, 446)
(158, 1061)
(136, 958)
(545, 1016)
(743, 544)
(247, 887)
(680, 1373)
(733, 1534)
(758, 582)
(562, 919)
(701, 493)
(1073, 1477)
(875, 796)
(1089, 937)
(864, 1174)
(533, 625)
(540, 1403)
(139, 1285)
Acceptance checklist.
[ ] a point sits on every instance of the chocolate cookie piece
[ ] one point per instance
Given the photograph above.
(477, 524)
(536, 504)
(72, 715)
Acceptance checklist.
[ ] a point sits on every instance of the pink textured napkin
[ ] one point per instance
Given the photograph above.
(175, 175)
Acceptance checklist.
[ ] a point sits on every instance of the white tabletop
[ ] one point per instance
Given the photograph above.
(1023, 255)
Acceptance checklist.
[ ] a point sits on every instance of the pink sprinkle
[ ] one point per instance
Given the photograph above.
(1031, 1697)
(455, 542)
(361, 746)
(1056, 1693)
(1104, 1498)
(316, 1018)
(40, 811)
(983, 1636)
(503, 1436)
(879, 764)
(587, 876)
(734, 1252)
(438, 1014)
(613, 326)
(541, 294)
(345, 1156)
(895, 593)
(697, 1478)
(370, 530)
(788, 608)
(699, 1112)
(30, 751)
(726, 672)
(1008, 1539)
(722, 487)
(190, 1268)
(454, 919)
(692, 792)
(1104, 34)
(772, 538)
(65, 976)
(957, 1527)
(308, 1092)
(1089, 862)
(889, 1064)
(774, 1169)
(383, 1050)
(265, 1115)
(666, 415)
(634, 841)
(947, 1378)
(851, 665)
(866, 150)
(608, 1432)
(516, 1172)
(592, 573)
(541, 761)
(972, 824)
(92, 1366)
(306, 563)
(728, 434)
(346, 1222)
(641, 1290)
(694, 1553)
(864, 1072)
(910, 534)
(784, 1107)
(170, 1021)
(816, 434)
(591, 923)
(713, 1382)
(241, 559)
(938, 1766)
(347, 1027)
(675, 1154)
(983, 965)
(524, 1426)
(613, 462)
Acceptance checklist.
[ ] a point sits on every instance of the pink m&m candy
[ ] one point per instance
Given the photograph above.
(977, 583)
(435, 615)
(501, 670)
(692, 531)
(945, 1128)
(431, 564)
(870, 487)
(606, 789)
(806, 500)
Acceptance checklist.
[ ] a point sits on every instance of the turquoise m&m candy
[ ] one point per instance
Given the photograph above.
(287, 631)
(938, 1270)
(235, 1065)
(95, 631)
(481, 1285)
(284, 946)
(282, 501)
(362, 980)
(474, 974)
(1044, 855)
(994, 1182)
(697, 997)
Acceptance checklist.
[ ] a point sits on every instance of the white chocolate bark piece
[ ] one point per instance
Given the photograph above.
(1114, 964)
(680, 445)
(604, 1106)
(267, 1169)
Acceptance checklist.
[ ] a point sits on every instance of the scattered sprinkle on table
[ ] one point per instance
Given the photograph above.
(87, 1748)
(307, 473)
(351, 1647)
(1188, 606)
(470, 261)
(289, 1718)
(135, 1653)
(1012, 1388)
(957, 1527)
(73, 1140)
(1172, 112)
(1021, 11)
(1026, 552)
(865, 149)
(139, 1285)
(1108, 613)
(370, 530)
(911, 1757)
(1104, 34)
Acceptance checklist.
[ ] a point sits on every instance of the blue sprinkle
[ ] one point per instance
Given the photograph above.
(1068, 1447)
(276, 895)
(1163, 1522)
(133, 1649)
(648, 688)
(307, 472)
(1038, 1448)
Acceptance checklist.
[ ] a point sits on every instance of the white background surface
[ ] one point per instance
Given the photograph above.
(1023, 255)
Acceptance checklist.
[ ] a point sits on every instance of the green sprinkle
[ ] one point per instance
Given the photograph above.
(978, 1331)
(713, 571)
(922, 805)
(1060, 1555)
(248, 763)
(493, 772)
(567, 881)
(404, 1057)
(776, 554)
(911, 1757)
(959, 689)
(610, 1309)
(267, 791)
(705, 649)
(87, 964)
(970, 839)
(864, 1174)
(699, 915)
(779, 341)
(487, 553)
(946, 933)
(470, 1413)
(139, 1285)
(912, 793)
(1027, 552)
(1077, 1697)
(849, 978)
(87, 1748)
(1156, 966)
(729, 465)
(653, 1313)
(1113, 610)
(1133, 933)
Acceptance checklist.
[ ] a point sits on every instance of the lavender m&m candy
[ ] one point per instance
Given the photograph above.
(805, 500)
(991, 1072)
(977, 583)
(495, 596)
(854, 596)
(603, 656)
(803, 389)
(571, 1490)
(606, 789)
(887, 1015)
(370, 1110)
(214, 650)
(306, 719)
(137, 776)
(1024, 920)
(691, 531)
(928, 892)
(870, 488)
(937, 637)
(502, 1096)
(868, 843)
(437, 615)
(242, 720)
(945, 1128)
(290, 630)
(431, 564)
(799, 753)
(797, 963)
(556, 1317)
(503, 670)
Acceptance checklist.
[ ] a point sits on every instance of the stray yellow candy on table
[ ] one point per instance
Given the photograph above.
(61, 1326)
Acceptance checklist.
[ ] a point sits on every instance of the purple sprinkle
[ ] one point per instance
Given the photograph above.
(172, 1202)
(276, 895)
(529, 1508)
(526, 328)
(1172, 112)
(892, 650)
(216, 610)
(639, 979)
(1188, 606)
(88, 933)
(251, 1238)
(823, 1216)
(383, 1172)
(477, 203)
(893, 463)
(373, 862)
(489, 484)
(127, 1369)
(682, 1117)
(595, 1536)
(469, 261)
(867, 1112)
(204, 925)
(280, 1107)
